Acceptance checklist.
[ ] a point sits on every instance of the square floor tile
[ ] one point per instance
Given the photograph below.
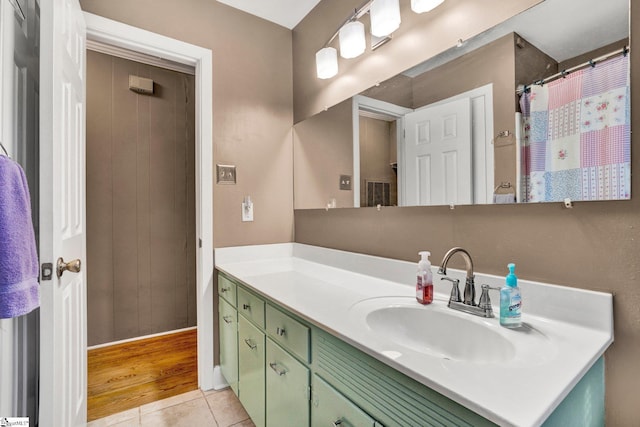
(124, 418)
(191, 413)
(170, 401)
(226, 408)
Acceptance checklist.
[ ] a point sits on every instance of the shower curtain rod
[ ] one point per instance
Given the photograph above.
(592, 62)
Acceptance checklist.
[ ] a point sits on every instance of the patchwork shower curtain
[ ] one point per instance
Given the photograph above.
(576, 140)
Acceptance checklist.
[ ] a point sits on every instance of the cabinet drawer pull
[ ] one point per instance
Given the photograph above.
(280, 331)
(246, 306)
(223, 290)
(274, 366)
(251, 345)
(337, 422)
(227, 319)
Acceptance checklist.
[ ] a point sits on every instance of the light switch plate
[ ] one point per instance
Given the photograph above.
(345, 182)
(226, 174)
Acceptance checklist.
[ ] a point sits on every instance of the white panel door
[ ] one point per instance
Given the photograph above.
(437, 155)
(63, 364)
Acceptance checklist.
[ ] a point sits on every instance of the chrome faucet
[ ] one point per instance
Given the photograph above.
(469, 286)
(468, 304)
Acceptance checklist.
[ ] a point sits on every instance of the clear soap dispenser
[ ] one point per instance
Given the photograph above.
(424, 279)
(511, 301)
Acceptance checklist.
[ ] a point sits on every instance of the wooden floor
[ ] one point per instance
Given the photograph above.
(125, 376)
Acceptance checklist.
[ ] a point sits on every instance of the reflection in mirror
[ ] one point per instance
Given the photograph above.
(461, 107)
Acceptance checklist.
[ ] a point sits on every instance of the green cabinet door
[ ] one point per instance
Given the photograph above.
(228, 321)
(251, 368)
(287, 388)
(330, 408)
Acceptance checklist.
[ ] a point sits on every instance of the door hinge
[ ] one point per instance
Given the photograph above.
(46, 271)
(309, 393)
(199, 243)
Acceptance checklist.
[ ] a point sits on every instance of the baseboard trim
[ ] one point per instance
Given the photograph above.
(159, 334)
(219, 382)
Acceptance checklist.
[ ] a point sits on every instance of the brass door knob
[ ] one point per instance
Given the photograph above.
(72, 266)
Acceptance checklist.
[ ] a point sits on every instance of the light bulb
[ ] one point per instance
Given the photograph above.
(421, 6)
(326, 63)
(352, 41)
(385, 17)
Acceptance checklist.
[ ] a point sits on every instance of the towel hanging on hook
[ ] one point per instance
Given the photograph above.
(503, 198)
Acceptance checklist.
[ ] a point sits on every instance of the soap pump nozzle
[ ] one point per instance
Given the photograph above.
(511, 279)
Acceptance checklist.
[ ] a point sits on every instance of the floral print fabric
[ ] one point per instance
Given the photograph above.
(577, 140)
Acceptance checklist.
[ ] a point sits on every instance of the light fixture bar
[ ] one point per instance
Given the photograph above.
(357, 14)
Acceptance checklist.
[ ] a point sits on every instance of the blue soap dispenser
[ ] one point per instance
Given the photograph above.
(511, 301)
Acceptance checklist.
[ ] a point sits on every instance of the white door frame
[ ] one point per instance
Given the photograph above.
(115, 33)
(361, 102)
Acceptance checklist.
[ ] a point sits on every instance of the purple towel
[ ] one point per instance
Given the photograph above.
(19, 289)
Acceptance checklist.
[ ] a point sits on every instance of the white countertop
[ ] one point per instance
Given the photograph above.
(327, 287)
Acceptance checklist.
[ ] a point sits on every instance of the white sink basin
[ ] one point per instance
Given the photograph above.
(441, 332)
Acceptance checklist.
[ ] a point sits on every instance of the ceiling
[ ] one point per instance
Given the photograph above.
(287, 13)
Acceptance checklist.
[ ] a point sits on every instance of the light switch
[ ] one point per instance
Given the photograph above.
(345, 182)
(226, 174)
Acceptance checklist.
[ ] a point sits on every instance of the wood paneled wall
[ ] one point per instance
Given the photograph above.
(140, 201)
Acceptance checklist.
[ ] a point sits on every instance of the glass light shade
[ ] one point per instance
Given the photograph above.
(385, 17)
(352, 41)
(326, 63)
(421, 6)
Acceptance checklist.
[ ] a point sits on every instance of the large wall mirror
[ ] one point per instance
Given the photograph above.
(535, 109)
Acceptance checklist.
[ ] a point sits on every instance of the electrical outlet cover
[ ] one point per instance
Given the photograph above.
(247, 212)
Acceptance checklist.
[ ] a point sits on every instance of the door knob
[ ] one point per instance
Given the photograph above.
(72, 266)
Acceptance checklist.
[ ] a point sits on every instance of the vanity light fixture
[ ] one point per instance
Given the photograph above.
(326, 63)
(421, 6)
(385, 17)
(352, 41)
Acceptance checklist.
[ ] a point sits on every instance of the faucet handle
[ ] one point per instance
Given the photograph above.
(485, 302)
(455, 291)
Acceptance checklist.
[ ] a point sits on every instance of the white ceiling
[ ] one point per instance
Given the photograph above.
(562, 29)
(287, 13)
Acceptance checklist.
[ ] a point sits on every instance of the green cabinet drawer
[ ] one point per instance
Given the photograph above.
(251, 307)
(251, 370)
(288, 332)
(228, 321)
(330, 408)
(287, 388)
(227, 289)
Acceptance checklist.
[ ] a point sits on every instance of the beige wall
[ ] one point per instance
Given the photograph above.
(140, 201)
(594, 246)
(420, 37)
(252, 106)
(323, 150)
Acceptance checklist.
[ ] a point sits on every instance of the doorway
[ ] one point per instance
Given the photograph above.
(120, 35)
(141, 244)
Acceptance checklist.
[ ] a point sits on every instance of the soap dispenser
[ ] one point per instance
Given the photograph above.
(424, 279)
(511, 301)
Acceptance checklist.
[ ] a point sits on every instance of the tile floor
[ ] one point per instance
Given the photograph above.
(195, 408)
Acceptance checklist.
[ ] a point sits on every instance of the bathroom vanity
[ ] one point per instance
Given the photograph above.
(314, 336)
